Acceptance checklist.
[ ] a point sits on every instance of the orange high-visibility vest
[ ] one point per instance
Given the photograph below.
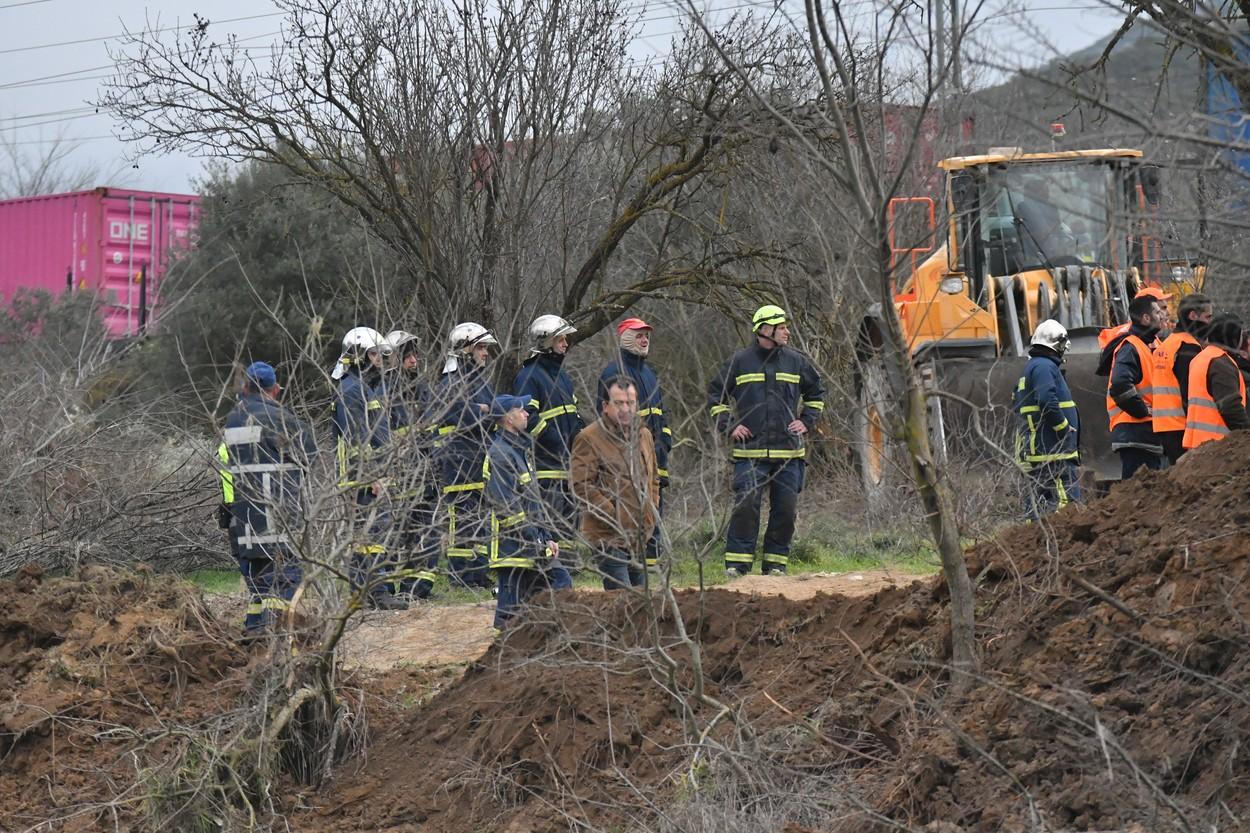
(1204, 422)
(1169, 408)
(1106, 334)
(1145, 387)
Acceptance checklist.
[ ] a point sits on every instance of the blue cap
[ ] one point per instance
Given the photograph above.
(502, 404)
(262, 374)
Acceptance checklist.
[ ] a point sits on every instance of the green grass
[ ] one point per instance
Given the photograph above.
(215, 580)
(825, 546)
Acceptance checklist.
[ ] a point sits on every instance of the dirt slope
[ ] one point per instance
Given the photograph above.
(1115, 693)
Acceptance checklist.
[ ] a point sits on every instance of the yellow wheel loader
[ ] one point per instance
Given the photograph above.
(1069, 235)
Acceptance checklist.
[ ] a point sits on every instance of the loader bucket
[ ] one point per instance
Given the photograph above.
(989, 384)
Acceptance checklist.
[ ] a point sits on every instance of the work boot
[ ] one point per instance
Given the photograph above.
(386, 601)
(732, 572)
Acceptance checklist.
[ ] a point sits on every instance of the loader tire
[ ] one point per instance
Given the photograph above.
(877, 452)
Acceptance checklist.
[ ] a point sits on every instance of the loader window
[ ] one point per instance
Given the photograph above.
(1043, 215)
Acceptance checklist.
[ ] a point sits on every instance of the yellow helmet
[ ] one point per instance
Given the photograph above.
(767, 314)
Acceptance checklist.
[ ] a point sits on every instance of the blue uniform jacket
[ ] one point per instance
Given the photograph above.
(362, 426)
(518, 534)
(268, 449)
(554, 422)
(650, 402)
(1049, 424)
(410, 402)
(769, 388)
(463, 428)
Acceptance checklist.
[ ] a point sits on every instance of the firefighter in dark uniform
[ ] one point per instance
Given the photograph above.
(362, 431)
(1049, 426)
(415, 483)
(634, 339)
(553, 418)
(268, 452)
(523, 548)
(777, 398)
(461, 416)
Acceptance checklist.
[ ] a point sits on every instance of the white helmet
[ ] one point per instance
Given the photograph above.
(398, 338)
(1050, 333)
(357, 343)
(463, 338)
(546, 329)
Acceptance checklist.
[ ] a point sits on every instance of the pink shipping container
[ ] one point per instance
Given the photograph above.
(114, 242)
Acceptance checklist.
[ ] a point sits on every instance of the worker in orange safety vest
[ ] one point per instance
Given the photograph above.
(1171, 373)
(1217, 391)
(1130, 389)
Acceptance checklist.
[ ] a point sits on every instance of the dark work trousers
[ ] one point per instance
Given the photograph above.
(1132, 459)
(620, 569)
(419, 547)
(654, 545)
(270, 589)
(783, 480)
(562, 517)
(1171, 441)
(1051, 486)
(372, 563)
(468, 534)
(516, 586)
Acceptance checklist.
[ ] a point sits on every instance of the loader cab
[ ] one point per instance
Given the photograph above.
(1012, 217)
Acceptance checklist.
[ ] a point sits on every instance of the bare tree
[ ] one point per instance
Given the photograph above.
(46, 167)
(866, 175)
(504, 154)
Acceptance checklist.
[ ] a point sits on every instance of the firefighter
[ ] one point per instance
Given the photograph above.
(777, 398)
(523, 548)
(634, 340)
(416, 490)
(1049, 426)
(554, 422)
(461, 414)
(268, 451)
(1130, 388)
(1217, 390)
(1171, 373)
(225, 513)
(361, 432)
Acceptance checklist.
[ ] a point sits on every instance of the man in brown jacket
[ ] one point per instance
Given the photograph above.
(617, 484)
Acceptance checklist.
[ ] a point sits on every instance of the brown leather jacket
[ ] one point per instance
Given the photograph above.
(617, 485)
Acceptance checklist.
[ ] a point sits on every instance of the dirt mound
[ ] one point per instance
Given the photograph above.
(1115, 694)
(91, 666)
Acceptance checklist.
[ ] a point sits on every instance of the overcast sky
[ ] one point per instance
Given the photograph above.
(54, 57)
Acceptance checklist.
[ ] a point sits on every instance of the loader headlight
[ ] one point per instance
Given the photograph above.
(952, 286)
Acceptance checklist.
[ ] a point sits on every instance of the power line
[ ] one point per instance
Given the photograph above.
(23, 3)
(123, 34)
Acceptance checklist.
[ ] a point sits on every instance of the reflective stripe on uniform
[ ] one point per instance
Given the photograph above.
(740, 557)
(243, 435)
(814, 404)
(662, 472)
(551, 474)
(227, 479)
(717, 410)
(792, 378)
(646, 412)
(745, 378)
(774, 558)
(769, 453)
(463, 487)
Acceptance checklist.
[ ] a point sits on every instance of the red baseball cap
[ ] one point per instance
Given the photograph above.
(1154, 292)
(632, 324)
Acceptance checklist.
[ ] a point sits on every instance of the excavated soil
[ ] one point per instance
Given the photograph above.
(1113, 694)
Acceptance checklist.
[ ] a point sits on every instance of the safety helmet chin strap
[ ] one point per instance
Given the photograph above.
(760, 334)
